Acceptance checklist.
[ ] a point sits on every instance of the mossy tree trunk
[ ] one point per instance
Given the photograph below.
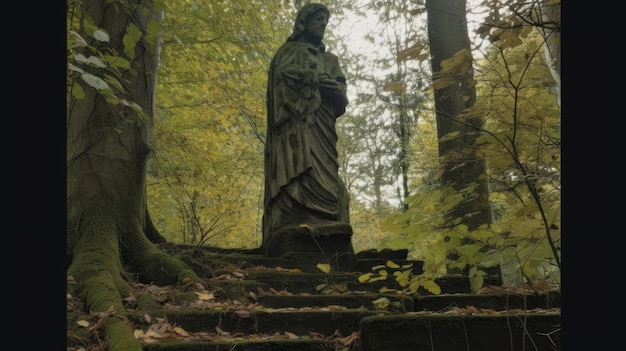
(108, 226)
(455, 93)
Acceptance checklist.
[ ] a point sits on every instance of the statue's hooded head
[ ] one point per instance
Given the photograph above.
(303, 15)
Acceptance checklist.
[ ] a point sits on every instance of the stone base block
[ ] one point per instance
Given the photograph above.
(329, 240)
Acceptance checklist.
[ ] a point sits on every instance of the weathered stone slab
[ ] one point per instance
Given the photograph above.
(241, 345)
(444, 332)
(397, 303)
(269, 321)
(496, 302)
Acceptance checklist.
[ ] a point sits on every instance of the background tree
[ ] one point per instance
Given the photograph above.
(520, 140)
(205, 180)
(455, 92)
(113, 60)
(520, 97)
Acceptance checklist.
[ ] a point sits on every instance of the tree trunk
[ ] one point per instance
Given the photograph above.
(551, 18)
(455, 92)
(107, 151)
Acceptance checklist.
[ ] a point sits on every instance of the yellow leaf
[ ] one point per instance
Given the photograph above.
(381, 303)
(391, 264)
(83, 323)
(204, 296)
(431, 286)
(324, 267)
(364, 277)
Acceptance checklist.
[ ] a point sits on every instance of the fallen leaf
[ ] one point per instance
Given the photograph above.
(220, 331)
(243, 313)
(138, 333)
(181, 331)
(317, 335)
(204, 296)
(83, 323)
(153, 334)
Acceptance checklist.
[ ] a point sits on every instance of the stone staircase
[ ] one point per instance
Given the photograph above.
(289, 304)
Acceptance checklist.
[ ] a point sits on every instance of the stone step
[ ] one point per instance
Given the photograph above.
(403, 303)
(308, 282)
(267, 320)
(291, 305)
(495, 301)
(393, 303)
(514, 332)
(308, 344)
(305, 261)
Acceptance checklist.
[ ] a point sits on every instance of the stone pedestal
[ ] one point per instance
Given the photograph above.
(329, 240)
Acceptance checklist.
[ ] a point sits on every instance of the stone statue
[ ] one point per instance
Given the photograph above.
(306, 93)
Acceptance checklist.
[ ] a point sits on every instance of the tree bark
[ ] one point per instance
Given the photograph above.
(455, 92)
(448, 36)
(107, 152)
(551, 17)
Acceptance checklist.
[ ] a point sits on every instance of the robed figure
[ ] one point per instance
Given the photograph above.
(306, 93)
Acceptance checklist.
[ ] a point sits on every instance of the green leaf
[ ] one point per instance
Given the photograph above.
(152, 32)
(77, 91)
(341, 287)
(130, 40)
(101, 35)
(95, 82)
(74, 40)
(381, 303)
(476, 281)
(74, 68)
(402, 277)
(117, 61)
(432, 287)
(321, 287)
(91, 60)
(414, 285)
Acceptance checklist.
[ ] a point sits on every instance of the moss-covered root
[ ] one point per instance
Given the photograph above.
(97, 270)
(155, 265)
(120, 335)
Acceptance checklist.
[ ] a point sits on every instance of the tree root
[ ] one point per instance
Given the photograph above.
(98, 271)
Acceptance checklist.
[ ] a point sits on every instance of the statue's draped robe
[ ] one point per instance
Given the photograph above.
(302, 183)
